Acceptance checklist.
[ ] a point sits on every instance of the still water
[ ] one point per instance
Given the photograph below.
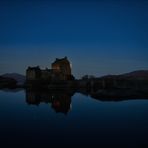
(29, 119)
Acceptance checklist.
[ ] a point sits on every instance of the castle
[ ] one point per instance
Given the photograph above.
(60, 70)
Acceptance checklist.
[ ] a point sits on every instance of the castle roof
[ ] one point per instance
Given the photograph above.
(61, 60)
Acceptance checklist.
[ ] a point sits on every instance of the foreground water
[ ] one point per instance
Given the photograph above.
(48, 120)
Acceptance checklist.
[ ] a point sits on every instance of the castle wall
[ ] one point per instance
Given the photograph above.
(61, 70)
(45, 75)
(31, 75)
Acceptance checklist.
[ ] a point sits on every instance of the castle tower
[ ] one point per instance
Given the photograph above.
(62, 65)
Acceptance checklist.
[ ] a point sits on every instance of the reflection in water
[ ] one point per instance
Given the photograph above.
(60, 101)
(92, 123)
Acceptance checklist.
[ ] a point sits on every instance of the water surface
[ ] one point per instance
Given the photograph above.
(70, 119)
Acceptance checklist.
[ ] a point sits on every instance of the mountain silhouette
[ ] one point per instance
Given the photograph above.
(18, 77)
(138, 74)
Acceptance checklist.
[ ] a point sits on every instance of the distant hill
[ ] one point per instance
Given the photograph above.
(139, 74)
(18, 77)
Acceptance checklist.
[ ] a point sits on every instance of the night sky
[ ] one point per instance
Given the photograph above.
(98, 37)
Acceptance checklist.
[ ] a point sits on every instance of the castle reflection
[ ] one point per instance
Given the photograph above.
(60, 100)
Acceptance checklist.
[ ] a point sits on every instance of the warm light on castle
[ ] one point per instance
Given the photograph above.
(61, 70)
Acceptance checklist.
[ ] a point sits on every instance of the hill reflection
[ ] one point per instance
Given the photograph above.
(60, 100)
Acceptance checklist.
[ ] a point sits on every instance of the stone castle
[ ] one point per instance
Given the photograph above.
(60, 70)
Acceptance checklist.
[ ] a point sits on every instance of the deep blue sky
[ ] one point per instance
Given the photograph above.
(99, 37)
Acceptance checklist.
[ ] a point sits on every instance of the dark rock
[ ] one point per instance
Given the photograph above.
(7, 82)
